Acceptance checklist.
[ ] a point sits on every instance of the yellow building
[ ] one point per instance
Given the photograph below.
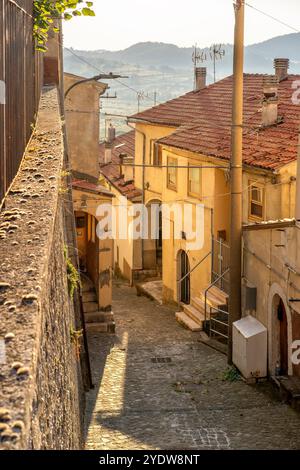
(271, 270)
(119, 179)
(194, 130)
(82, 114)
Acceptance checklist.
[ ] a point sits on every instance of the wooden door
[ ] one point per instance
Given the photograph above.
(284, 363)
(185, 283)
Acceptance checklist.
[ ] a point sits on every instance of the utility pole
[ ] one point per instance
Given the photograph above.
(236, 174)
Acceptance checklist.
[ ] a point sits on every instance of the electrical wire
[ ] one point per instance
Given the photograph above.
(272, 17)
(171, 201)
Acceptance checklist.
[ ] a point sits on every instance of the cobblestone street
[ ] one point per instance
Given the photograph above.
(158, 387)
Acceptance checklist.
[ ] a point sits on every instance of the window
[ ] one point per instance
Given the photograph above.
(157, 156)
(155, 153)
(194, 181)
(256, 201)
(80, 221)
(172, 173)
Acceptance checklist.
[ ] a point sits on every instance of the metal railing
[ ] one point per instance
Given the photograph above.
(224, 324)
(209, 287)
(193, 269)
(21, 82)
(220, 263)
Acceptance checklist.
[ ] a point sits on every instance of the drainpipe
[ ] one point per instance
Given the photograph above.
(297, 208)
(143, 182)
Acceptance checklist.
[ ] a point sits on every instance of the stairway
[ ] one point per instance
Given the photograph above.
(192, 316)
(217, 321)
(95, 320)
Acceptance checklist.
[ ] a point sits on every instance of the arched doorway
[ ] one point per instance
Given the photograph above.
(88, 244)
(283, 338)
(279, 332)
(183, 277)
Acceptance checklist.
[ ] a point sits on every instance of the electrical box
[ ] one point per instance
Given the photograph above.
(249, 348)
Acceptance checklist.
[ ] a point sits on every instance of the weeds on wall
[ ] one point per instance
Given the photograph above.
(76, 335)
(72, 274)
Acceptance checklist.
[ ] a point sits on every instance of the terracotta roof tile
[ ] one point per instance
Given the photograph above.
(208, 130)
(124, 144)
(86, 185)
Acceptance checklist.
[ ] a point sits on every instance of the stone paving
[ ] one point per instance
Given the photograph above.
(158, 387)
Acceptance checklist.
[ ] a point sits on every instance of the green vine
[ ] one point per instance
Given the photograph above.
(72, 274)
(46, 12)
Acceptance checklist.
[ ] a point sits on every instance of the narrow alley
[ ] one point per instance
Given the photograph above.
(158, 387)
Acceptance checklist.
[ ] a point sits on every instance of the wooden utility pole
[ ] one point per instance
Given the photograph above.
(236, 174)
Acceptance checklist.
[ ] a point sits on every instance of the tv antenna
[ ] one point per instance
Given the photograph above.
(141, 95)
(216, 52)
(198, 56)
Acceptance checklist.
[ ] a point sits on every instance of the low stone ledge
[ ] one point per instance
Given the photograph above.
(38, 368)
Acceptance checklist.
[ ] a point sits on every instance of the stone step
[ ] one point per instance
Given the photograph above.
(187, 322)
(106, 327)
(89, 296)
(198, 304)
(211, 299)
(194, 314)
(87, 288)
(98, 317)
(90, 307)
(219, 294)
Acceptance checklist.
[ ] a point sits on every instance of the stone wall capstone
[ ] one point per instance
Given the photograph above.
(41, 390)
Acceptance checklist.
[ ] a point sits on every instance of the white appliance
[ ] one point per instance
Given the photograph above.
(249, 348)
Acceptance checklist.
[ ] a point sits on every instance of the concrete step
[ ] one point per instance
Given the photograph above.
(211, 299)
(89, 296)
(98, 317)
(107, 327)
(194, 314)
(198, 304)
(219, 294)
(90, 307)
(187, 322)
(139, 276)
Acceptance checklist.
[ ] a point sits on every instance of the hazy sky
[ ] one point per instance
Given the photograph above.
(121, 23)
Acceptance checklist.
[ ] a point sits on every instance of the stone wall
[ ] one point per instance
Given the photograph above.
(41, 389)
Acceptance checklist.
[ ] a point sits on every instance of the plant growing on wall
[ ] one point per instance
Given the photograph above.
(45, 12)
(76, 335)
(72, 274)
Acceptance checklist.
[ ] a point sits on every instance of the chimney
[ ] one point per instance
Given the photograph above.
(127, 168)
(108, 152)
(200, 78)
(270, 101)
(281, 67)
(111, 134)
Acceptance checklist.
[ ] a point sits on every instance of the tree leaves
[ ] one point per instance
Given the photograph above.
(47, 12)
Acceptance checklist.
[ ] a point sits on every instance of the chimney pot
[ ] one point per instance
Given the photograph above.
(200, 78)
(270, 100)
(111, 134)
(281, 67)
(107, 152)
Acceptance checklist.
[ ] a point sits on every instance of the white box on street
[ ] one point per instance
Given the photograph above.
(249, 348)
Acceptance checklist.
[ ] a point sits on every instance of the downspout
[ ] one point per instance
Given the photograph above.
(297, 205)
(143, 183)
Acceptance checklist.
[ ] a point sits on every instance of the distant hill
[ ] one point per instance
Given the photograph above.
(168, 69)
